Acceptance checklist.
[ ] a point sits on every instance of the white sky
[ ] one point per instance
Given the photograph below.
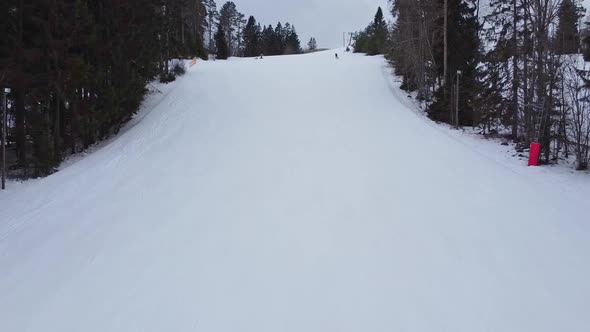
(325, 20)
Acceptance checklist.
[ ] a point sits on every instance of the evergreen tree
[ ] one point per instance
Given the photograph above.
(212, 20)
(279, 40)
(462, 35)
(228, 16)
(271, 42)
(193, 17)
(268, 41)
(292, 42)
(251, 37)
(361, 41)
(239, 25)
(312, 45)
(221, 42)
(568, 37)
(502, 65)
(373, 40)
(378, 38)
(411, 54)
(78, 69)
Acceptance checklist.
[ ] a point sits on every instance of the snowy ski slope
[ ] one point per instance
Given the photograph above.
(294, 193)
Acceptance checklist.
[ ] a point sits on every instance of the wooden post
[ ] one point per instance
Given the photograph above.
(446, 55)
(457, 105)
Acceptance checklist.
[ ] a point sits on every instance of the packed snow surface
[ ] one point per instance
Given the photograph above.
(296, 193)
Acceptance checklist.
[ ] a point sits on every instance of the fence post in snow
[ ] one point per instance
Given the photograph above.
(457, 105)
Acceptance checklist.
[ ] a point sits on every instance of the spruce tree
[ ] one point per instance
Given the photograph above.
(270, 41)
(312, 45)
(292, 42)
(503, 34)
(378, 37)
(463, 36)
(373, 40)
(221, 42)
(86, 68)
(279, 40)
(251, 36)
(78, 69)
(361, 41)
(568, 37)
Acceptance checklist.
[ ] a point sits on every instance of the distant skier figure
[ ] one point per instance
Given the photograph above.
(337, 56)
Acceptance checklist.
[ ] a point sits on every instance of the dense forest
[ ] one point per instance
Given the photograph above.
(79, 70)
(509, 68)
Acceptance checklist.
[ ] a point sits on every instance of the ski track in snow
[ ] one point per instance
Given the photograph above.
(294, 193)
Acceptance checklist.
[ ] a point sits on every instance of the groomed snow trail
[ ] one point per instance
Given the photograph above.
(294, 193)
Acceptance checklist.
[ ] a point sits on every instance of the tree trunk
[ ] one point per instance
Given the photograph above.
(21, 152)
(515, 74)
(57, 129)
(445, 37)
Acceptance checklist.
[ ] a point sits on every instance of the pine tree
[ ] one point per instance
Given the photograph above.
(212, 20)
(312, 45)
(221, 42)
(193, 17)
(279, 40)
(228, 18)
(412, 52)
(378, 36)
(268, 41)
(504, 34)
(292, 42)
(251, 36)
(239, 24)
(462, 35)
(373, 40)
(78, 69)
(361, 41)
(568, 37)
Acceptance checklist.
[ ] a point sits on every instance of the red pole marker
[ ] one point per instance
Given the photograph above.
(535, 153)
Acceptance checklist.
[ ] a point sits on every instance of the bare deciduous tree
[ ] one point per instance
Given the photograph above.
(577, 101)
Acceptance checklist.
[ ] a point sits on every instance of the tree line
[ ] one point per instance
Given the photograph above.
(79, 70)
(255, 39)
(508, 67)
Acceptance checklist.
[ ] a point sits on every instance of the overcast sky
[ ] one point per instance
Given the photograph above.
(326, 20)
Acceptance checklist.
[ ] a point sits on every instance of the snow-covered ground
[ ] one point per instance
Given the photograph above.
(503, 151)
(294, 193)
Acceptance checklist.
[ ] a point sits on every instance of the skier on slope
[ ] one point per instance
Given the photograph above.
(336, 56)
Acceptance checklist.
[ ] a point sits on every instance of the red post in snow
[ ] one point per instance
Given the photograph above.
(535, 153)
